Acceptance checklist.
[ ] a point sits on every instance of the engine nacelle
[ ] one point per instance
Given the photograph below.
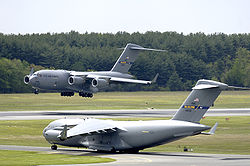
(99, 83)
(26, 79)
(74, 80)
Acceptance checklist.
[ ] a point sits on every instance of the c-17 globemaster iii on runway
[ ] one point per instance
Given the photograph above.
(86, 83)
(132, 136)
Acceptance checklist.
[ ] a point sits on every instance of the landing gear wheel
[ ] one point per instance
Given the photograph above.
(83, 94)
(90, 95)
(53, 147)
(36, 91)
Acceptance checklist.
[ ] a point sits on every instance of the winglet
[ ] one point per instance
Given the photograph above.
(146, 49)
(212, 130)
(155, 78)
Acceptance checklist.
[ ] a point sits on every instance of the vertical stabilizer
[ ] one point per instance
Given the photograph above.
(128, 57)
(199, 100)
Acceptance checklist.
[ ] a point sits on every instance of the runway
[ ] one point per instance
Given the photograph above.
(148, 158)
(142, 158)
(150, 113)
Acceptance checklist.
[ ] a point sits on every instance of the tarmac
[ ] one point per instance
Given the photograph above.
(147, 158)
(144, 113)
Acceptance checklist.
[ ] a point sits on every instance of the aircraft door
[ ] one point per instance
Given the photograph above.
(55, 79)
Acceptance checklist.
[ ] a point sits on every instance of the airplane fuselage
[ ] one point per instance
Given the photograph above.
(63, 81)
(138, 134)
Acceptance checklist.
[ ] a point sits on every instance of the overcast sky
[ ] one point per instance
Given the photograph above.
(187, 16)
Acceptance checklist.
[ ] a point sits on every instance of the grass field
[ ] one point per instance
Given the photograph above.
(114, 100)
(232, 136)
(23, 158)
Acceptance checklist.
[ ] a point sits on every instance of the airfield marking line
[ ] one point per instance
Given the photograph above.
(143, 158)
(128, 159)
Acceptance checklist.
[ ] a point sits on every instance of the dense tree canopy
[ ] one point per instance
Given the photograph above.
(188, 58)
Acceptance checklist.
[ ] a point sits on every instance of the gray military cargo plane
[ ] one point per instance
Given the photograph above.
(132, 136)
(87, 83)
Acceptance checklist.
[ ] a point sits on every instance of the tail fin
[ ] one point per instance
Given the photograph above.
(128, 57)
(199, 100)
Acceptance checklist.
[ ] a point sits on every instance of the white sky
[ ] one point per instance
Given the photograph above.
(55, 16)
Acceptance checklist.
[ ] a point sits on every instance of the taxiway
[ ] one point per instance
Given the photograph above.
(147, 158)
(150, 113)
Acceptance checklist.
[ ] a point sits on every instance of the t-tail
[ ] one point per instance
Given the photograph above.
(128, 57)
(200, 100)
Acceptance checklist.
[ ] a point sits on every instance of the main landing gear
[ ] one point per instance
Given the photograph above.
(83, 94)
(69, 94)
(53, 147)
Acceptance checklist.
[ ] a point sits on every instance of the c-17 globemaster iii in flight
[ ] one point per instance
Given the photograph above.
(132, 136)
(87, 83)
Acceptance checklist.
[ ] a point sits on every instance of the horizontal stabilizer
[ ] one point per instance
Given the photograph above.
(239, 88)
(205, 86)
(212, 130)
(146, 49)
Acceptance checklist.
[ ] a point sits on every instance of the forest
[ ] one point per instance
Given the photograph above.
(218, 56)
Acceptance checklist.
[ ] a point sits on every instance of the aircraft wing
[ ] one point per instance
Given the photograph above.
(93, 126)
(125, 80)
(112, 78)
(117, 79)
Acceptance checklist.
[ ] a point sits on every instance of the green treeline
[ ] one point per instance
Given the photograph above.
(188, 58)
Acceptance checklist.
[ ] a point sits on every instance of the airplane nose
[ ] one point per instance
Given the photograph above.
(51, 135)
(44, 131)
(32, 80)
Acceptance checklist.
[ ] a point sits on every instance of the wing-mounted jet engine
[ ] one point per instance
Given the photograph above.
(75, 80)
(100, 83)
(87, 83)
(132, 136)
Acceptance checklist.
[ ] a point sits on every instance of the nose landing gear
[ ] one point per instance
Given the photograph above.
(36, 91)
(53, 147)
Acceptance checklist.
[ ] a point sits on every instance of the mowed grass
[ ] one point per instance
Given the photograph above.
(23, 132)
(24, 158)
(114, 100)
(232, 135)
